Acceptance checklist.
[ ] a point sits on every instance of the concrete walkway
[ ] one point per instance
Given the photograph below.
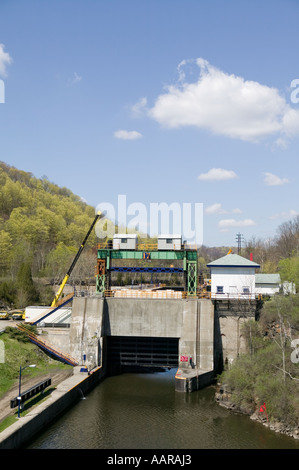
(67, 393)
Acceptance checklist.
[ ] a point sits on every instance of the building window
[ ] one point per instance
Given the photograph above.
(219, 289)
(168, 240)
(246, 290)
(123, 240)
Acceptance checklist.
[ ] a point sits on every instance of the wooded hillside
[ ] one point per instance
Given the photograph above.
(41, 227)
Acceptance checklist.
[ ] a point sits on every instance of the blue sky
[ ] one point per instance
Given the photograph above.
(159, 100)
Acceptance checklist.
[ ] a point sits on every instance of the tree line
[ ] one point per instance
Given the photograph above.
(269, 372)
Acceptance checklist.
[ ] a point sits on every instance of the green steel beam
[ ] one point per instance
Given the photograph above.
(100, 283)
(192, 278)
(154, 255)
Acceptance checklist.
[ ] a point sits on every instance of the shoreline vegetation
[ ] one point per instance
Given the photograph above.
(264, 382)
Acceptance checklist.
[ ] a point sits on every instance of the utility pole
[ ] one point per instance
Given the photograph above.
(239, 238)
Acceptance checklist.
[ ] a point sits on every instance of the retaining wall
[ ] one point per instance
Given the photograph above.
(66, 394)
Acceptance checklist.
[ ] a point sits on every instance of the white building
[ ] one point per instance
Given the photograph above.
(124, 241)
(233, 276)
(169, 242)
(267, 284)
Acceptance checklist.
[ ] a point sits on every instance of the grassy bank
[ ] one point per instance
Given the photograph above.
(19, 352)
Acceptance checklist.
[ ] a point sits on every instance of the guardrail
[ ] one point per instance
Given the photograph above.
(31, 392)
(143, 246)
(48, 348)
(237, 296)
(151, 294)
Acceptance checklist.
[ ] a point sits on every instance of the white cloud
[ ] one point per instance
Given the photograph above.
(139, 107)
(5, 60)
(74, 79)
(281, 143)
(217, 174)
(225, 104)
(215, 209)
(237, 211)
(273, 180)
(230, 223)
(284, 215)
(127, 135)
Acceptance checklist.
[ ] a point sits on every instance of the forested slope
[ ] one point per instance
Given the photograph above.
(41, 226)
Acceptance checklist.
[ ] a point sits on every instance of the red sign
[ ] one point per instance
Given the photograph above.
(184, 359)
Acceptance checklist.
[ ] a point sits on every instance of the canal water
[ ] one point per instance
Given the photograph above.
(143, 411)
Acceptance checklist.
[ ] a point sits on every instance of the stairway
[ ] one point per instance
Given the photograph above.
(66, 358)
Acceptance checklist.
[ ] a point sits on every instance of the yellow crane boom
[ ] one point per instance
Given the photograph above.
(59, 292)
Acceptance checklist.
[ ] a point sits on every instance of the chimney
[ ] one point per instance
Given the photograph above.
(251, 257)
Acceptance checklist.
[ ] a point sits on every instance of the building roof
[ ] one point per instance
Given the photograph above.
(168, 235)
(125, 235)
(233, 261)
(267, 279)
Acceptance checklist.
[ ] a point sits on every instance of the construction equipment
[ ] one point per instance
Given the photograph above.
(18, 315)
(4, 315)
(59, 292)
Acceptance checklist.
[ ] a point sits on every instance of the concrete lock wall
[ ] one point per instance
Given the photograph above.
(86, 330)
(191, 321)
(59, 338)
(143, 317)
(233, 342)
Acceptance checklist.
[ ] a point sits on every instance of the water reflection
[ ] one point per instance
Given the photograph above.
(143, 411)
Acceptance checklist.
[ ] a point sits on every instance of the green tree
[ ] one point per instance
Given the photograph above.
(7, 293)
(268, 374)
(59, 261)
(5, 251)
(289, 270)
(26, 290)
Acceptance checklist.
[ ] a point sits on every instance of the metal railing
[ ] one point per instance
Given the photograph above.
(152, 294)
(143, 246)
(235, 296)
(64, 357)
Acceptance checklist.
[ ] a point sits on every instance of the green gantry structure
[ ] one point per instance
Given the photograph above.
(107, 256)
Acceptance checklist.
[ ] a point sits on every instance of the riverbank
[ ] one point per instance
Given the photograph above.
(63, 397)
(56, 375)
(224, 398)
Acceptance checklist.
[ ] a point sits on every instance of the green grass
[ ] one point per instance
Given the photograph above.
(27, 407)
(18, 351)
(5, 423)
